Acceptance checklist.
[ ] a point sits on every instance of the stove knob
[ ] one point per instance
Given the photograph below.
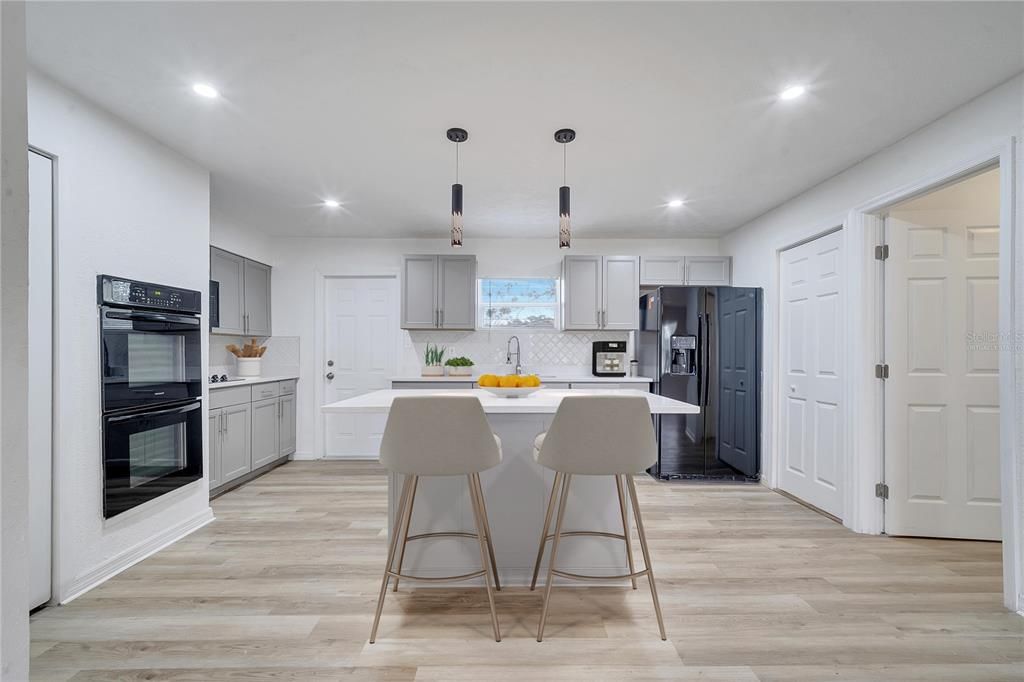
(214, 379)
(223, 377)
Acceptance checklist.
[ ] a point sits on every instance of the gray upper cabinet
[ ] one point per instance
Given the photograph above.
(257, 298)
(621, 293)
(582, 295)
(456, 284)
(244, 294)
(661, 270)
(419, 292)
(229, 270)
(266, 418)
(708, 270)
(601, 292)
(438, 292)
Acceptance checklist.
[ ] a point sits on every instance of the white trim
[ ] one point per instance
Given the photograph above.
(134, 555)
(320, 345)
(866, 455)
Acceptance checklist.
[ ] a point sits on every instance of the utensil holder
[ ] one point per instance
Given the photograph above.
(249, 367)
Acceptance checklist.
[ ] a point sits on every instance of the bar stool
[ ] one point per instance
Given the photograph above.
(439, 436)
(596, 436)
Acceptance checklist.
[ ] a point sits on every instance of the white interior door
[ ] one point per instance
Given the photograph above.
(942, 395)
(361, 349)
(811, 379)
(40, 376)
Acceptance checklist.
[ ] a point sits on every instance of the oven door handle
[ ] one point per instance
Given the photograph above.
(182, 409)
(153, 317)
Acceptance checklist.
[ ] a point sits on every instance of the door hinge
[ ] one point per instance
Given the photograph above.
(881, 371)
(881, 252)
(882, 491)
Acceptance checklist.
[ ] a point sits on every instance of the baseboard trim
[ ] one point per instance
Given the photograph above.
(304, 456)
(130, 557)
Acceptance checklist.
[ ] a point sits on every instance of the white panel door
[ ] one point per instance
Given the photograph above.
(942, 395)
(812, 373)
(361, 345)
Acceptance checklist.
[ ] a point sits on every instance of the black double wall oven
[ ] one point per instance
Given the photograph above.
(152, 386)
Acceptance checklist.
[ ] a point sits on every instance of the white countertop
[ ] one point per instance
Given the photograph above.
(545, 378)
(544, 401)
(248, 381)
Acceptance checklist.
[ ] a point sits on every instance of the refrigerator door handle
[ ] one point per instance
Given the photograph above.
(707, 360)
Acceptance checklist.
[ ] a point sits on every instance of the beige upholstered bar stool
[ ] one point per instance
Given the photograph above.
(439, 436)
(596, 436)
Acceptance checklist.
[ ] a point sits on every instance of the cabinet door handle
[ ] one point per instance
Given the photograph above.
(440, 318)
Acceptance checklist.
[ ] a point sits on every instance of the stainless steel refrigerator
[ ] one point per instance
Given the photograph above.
(702, 345)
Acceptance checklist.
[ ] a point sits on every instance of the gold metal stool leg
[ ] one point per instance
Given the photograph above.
(487, 528)
(396, 532)
(564, 496)
(544, 530)
(646, 551)
(477, 514)
(619, 485)
(408, 522)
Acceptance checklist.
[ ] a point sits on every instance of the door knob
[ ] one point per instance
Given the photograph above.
(330, 375)
(330, 363)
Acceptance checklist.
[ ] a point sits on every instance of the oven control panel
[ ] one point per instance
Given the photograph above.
(135, 294)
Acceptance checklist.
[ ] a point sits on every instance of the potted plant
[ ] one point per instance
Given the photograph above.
(459, 367)
(432, 358)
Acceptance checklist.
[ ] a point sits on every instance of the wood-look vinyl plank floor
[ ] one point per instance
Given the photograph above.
(754, 587)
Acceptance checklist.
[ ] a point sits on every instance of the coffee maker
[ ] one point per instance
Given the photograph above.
(610, 359)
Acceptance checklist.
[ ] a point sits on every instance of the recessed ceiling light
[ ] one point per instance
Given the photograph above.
(676, 203)
(792, 92)
(332, 203)
(205, 90)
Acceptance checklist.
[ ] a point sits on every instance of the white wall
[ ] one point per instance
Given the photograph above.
(127, 206)
(977, 128)
(14, 645)
(300, 263)
(228, 233)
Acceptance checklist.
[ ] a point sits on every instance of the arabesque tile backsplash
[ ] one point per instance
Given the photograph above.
(487, 348)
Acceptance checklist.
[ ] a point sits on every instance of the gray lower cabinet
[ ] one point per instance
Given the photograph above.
(214, 433)
(265, 422)
(286, 424)
(235, 443)
(250, 427)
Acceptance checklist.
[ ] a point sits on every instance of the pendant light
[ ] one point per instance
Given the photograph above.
(564, 136)
(458, 136)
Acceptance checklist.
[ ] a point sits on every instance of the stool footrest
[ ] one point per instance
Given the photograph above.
(453, 578)
(579, 576)
(444, 534)
(592, 533)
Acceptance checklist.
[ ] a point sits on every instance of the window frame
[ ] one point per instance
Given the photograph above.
(557, 304)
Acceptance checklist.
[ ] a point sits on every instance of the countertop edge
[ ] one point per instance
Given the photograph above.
(251, 381)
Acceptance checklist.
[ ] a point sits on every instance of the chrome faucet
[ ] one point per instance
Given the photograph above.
(508, 354)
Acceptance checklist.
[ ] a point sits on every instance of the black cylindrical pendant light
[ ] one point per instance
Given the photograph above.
(458, 136)
(564, 136)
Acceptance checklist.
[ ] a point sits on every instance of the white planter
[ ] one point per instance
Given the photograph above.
(249, 367)
(460, 371)
(433, 371)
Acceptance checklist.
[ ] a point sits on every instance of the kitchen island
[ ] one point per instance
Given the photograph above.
(516, 492)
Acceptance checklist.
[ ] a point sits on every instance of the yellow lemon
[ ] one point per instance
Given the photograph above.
(488, 381)
(508, 381)
(532, 381)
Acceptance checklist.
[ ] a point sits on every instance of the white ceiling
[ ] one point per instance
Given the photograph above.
(669, 100)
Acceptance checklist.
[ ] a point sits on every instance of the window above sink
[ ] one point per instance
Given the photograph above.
(517, 303)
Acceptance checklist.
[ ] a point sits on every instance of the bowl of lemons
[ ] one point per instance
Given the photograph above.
(510, 385)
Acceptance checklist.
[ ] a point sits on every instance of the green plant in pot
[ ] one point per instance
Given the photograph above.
(433, 356)
(459, 367)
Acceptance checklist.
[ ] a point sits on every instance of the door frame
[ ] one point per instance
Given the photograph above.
(865, 445)
(776, 380)
(320, 341)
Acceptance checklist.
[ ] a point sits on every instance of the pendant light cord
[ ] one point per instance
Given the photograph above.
(563, 163)
(456, 163)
